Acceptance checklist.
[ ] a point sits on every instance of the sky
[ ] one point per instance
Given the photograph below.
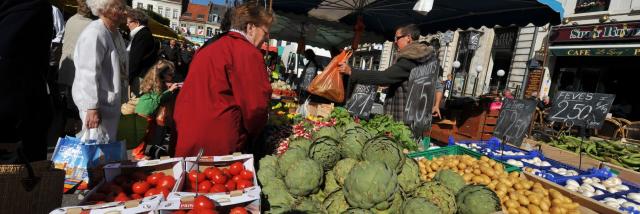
(207, 1)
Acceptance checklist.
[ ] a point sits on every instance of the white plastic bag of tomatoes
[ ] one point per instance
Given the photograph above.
(228, 180)
(133, 187)
(203, 204)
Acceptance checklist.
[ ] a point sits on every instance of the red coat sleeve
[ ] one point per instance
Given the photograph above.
(251, 88)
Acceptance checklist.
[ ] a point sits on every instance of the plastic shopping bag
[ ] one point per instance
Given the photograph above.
(329, 83)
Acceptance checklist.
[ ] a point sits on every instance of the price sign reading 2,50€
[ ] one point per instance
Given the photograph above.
(513, 122)
(581, 108)
(362, 100)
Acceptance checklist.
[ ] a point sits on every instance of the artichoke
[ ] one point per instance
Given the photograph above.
(450, 179)
(357, 211)
(370, 184)
(325, 151)
(342, 169)
(352, 144)
(277, 195)
(409, 177)
(386, 150)
(419, 206)
(326, 132)
(439, 195)
(308, 206)
(305, 178)
(335, 203)
(330, 183)
(289, 159)
(301, 143)
(319, 196)
(477, 199)
(395, 207)
(268, 170)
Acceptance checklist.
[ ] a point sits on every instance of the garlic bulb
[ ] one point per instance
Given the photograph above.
(587, 194)
(599, 192)
(598, 185)
(587, 188)
(571, 182)
(634, 196)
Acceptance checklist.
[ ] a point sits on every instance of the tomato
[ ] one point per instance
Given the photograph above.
(238, 210)
(151, 192)
(179, 212)
(204, 186)
(154, 178)
(202, 202)
(195, 175)
(166, 182)
(216, 188)
(136, 196)
(121, 197)
(140, 187)
(204, 211)
(236, 168)
(241, 184)
(209, 172)
(219, 178)
(225, 171)
(138, 176)
(230, 185)
(164, 191)
(236, 178)
(246, 174)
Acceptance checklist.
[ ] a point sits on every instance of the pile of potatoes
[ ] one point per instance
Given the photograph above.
(517, 194)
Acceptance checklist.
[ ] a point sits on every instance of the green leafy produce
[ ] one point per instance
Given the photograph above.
(385, 150)
(326, 131)
(370, 184)
(305, 178)
(342, 169)
(330, 183)
(325, 150)
(335, 203)
(268, 170)
(419, 205)
(319, 196)
(450, 179)
(301, 143)
(409, 177)
(289, 159)
(615, 152)
(308, 206)
(357, 211)
(277, 194)
(439, 195)
(382, 124)
(477, 199)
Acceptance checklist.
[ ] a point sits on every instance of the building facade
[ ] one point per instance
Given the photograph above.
(201, 22)
(170, 9)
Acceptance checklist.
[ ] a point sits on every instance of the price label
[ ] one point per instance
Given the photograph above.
(581, 108)
(361, 100)
(417, 111)
(513, 122)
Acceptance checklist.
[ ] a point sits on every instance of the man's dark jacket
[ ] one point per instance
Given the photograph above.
(143, 53)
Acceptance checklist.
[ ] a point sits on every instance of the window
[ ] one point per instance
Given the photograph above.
(587, 6)
(200, 17)
(174, 26)
(175, 13)
(187, 14)
(183, 25)
(167, 12)
(209, 32)
(140, 6)
(160, 10)
(150, 7)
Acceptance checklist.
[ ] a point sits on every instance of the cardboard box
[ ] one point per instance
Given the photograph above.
(224, 199)
(623, 173)
(587, 205)
(186, 203)
(173, 166)
(319, 110)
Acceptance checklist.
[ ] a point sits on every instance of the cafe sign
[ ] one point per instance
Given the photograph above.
(605, 32)
(596, 51)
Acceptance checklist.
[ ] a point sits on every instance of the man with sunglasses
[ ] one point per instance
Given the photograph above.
(411, 54)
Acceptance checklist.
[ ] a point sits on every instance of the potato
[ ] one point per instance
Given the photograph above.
(555, 210)
(518, 186)
(498, 167)
(462, 165)
(467, 177)
(512, 204)
(484, 158)
(477, 172)
(514, 175)
(570, 206)
(512, 211)
(534, 199)
(533, 209)
(544, 206)
(501, 187)
(523, 200)
(477, 179)
(523, 210)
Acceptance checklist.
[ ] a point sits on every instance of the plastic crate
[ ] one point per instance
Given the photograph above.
(619, 195)
(597, 173)
(456, 150)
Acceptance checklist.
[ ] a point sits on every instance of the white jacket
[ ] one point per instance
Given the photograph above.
(101, 65)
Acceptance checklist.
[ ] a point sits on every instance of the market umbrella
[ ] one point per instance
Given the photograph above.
(383, 16)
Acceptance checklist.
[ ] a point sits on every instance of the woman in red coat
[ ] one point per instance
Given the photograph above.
(224, 101)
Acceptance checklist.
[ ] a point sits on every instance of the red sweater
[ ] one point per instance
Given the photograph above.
(224, 100)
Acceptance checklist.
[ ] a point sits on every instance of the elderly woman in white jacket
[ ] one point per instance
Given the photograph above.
(101, 68)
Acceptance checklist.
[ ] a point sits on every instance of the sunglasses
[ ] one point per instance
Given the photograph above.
(400, 37)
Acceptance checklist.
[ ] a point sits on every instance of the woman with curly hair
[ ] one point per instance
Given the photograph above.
(156, 89)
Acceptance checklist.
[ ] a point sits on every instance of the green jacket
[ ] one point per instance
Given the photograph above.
(148, 103)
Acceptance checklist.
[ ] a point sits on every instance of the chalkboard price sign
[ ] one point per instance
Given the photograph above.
(361, 100)
(417, 111)
(513, 122)
(581, 108)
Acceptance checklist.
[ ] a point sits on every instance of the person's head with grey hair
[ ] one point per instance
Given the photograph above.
(136, 18)
(110, 11)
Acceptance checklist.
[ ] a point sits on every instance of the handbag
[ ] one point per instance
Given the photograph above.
(29, 187)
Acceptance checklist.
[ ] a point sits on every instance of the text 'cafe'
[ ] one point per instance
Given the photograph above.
(600, 58)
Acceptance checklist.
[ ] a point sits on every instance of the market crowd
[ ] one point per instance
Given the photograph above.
(104, 62)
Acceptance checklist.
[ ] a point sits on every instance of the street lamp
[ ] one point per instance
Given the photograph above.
(500, 74)
(475, 84)
(456, 65)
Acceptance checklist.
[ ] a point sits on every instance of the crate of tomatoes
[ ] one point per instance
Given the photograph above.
(133, 187)
(204, 204)
(228, 180)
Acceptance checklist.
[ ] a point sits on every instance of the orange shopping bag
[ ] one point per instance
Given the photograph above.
(329, 83)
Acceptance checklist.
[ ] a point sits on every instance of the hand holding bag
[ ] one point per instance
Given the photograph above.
(329, 83)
